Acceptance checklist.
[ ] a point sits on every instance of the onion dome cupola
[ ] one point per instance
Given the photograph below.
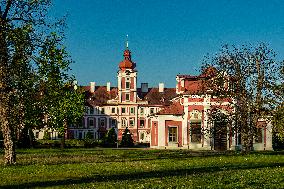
(127, 62)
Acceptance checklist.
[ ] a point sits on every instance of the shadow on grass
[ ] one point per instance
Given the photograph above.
(140, 175)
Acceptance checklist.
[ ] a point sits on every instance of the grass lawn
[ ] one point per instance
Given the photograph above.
(142, 168)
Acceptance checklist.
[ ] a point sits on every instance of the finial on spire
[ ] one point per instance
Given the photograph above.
(127, 41)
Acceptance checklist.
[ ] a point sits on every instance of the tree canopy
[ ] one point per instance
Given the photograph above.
(34, 79)
(247, 75)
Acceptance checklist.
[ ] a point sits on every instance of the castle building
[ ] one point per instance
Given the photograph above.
(164, 117)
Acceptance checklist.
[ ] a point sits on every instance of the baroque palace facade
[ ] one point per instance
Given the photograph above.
(163, 117)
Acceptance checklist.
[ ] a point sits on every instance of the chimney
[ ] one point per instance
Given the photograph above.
(92, 86)
(161, 87)
(108, 86)
(144, 87)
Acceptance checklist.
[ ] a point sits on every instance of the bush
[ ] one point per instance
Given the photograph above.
(69, 143)
(48, 143)
(74, 143)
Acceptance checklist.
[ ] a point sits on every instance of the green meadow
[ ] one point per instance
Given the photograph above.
(142, 168)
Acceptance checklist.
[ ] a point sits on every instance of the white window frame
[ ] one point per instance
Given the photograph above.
(123, 122)
(176, 137)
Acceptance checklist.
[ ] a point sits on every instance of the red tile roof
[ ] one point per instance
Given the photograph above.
(153, 96)
(194, 87)
(100, 95)
(174, 109)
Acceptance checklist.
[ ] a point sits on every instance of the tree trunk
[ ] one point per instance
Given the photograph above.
(31, 138)
(9, 145)
(63, 134)
(62, 146)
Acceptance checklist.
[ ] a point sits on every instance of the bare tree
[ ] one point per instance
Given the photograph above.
(246, 75)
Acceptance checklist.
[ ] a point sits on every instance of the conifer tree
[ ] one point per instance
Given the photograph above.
(127, 140)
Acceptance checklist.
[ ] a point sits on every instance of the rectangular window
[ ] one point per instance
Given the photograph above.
(127, 84)
(90, 122)
(195, 132)
(102, 122)
(151, 110)
(127, 96)
(83, 122)
(142, 123)
(123, 110)
(102, 111)
(86, 110)
(141, 111)
(113, 110)
(113, 122)
(258, 137)
(123, 122)
(131, 122)
(92, 110)
(132, 110)
(172, 134)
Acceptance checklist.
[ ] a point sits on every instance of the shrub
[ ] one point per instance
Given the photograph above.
(48, 143)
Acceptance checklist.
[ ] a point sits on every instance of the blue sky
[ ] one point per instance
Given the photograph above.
(166, 37)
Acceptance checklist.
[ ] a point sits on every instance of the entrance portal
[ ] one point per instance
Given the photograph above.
(220, 132)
